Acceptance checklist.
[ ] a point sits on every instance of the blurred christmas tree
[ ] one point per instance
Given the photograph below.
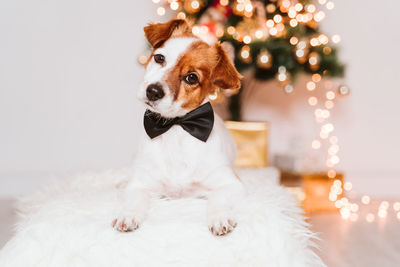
(278, 38)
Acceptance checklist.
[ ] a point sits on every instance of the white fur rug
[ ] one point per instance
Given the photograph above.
(69, 225)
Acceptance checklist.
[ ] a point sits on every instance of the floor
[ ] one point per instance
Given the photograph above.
(343, 243)
(358, 244)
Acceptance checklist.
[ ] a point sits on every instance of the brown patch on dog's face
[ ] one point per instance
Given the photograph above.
(199, 72)
(197, 61)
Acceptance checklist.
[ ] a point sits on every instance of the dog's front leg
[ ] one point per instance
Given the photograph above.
(226, 190)
(135, 203)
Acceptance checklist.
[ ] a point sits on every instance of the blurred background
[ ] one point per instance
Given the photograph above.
(69, 71)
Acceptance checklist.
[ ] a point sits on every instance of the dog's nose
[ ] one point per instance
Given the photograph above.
(154, 92)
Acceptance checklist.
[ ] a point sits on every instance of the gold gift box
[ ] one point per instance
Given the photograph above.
(252, 142)
(312, 190)
(317, 187)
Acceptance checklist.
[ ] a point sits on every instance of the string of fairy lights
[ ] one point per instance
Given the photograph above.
(323, 106)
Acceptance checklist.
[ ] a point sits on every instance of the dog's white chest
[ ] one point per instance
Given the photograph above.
(181, 155)
(179, 163)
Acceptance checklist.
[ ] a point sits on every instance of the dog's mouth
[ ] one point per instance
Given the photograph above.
(149, 104)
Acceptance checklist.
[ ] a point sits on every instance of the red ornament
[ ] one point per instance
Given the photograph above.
(224, 10)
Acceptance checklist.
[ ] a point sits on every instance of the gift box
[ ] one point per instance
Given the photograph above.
(317, 187)
(252, 143)
(312, 190)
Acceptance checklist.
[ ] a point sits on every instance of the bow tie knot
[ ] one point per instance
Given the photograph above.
(198, 122)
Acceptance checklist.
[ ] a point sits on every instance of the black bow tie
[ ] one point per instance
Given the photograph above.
(198, 122)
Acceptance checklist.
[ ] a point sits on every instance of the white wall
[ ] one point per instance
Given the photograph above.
(68, 79)
(370, 128)
(68, 76)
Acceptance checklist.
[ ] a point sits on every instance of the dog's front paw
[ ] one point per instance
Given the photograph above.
(125, 223)
(222, 226)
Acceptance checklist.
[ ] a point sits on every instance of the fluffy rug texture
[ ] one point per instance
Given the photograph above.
(69, 224)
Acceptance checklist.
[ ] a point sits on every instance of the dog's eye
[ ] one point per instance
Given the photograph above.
(160, 59)
(191, 79)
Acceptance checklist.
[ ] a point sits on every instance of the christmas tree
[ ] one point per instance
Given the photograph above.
(277, 38)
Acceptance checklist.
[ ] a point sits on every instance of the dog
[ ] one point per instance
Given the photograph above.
(177, 159)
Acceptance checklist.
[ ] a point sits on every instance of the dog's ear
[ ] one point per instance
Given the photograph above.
(158, 33)
(225, 75)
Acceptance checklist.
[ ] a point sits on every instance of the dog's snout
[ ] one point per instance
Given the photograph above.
(154, 92)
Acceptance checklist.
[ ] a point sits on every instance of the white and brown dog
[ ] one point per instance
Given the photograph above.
(177, 161)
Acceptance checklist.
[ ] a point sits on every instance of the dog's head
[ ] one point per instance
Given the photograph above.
(182, 70)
